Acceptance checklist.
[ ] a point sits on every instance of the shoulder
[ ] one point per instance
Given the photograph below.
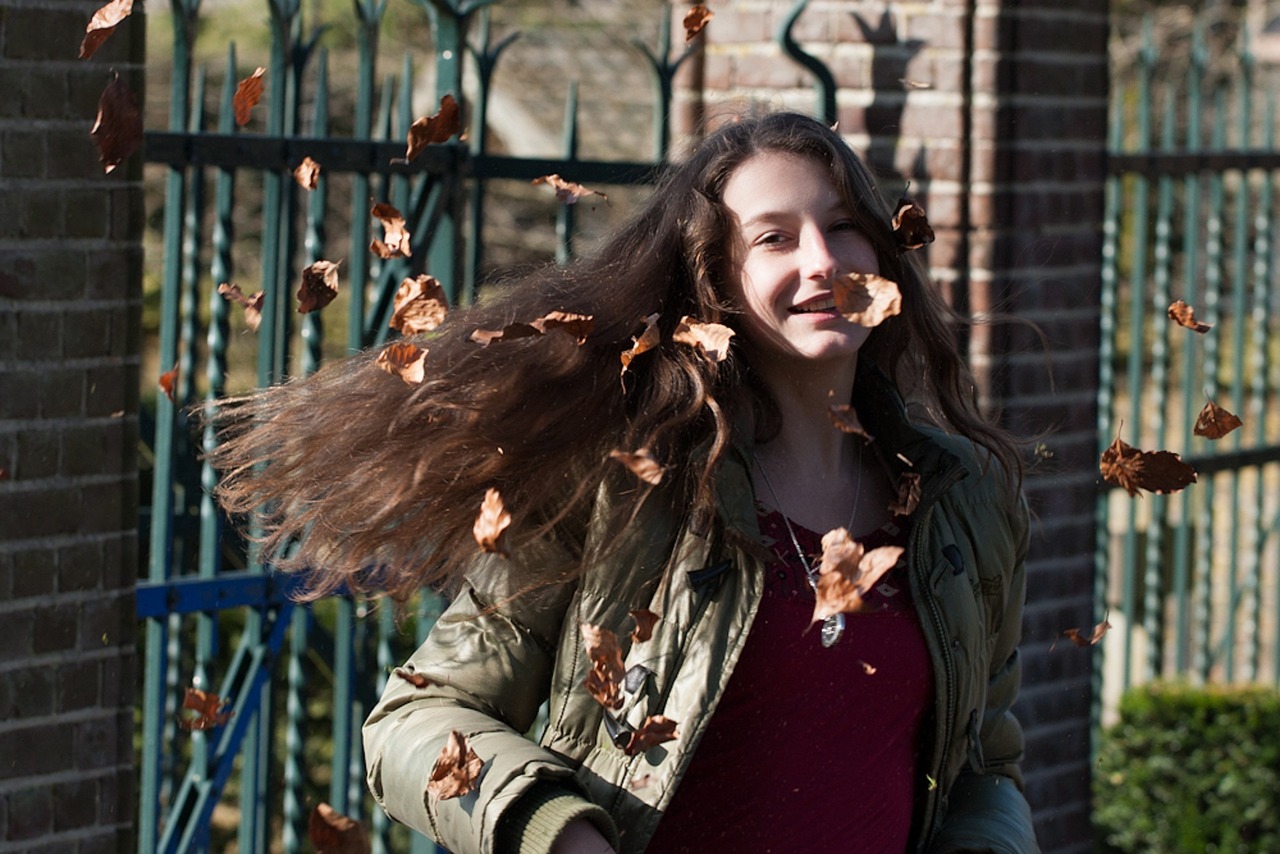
(987, 495)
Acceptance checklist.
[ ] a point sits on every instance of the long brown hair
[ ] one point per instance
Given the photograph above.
(372, 482)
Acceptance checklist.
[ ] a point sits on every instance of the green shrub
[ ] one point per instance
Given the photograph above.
(1191, 769)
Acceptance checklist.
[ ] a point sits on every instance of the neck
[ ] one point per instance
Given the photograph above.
(808, 441)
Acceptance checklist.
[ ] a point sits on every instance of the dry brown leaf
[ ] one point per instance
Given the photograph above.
(405, 360)
(867, 668)
(397, 236)
(252, 305)
(848, 572)
(248, 93)
(307, 174)
(867, 299)
(846, 420)
(103, 24)
(908, 497)
(645, 620)
(168, 381)
(429, 129)
(604, 681)
(577, 326)
(655, 730)
(910, 225)
(209, 710)
(1184, 315)
(644, 342)
(1214, 422)
(331, 832)
(117, 131)
(420, 305)
(914, 84)
(1079, 638)
(491, 523)
(510, 332)
(1155, 471)
(641, 463)
(567, 191)
(456, 770)
(4, 474)
(319, 286)
(695, 20)
(711, 338)
(414, 678)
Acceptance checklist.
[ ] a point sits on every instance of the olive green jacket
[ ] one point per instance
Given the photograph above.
(495, 656)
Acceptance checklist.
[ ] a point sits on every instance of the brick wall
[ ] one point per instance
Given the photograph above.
(995, 111)
(70, 261)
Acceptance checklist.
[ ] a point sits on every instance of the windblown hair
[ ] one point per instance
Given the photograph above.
(374, 483)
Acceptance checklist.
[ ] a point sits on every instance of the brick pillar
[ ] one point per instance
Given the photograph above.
(995, 111)
(70, 295)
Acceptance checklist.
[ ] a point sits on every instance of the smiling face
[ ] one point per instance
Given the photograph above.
(792, 235)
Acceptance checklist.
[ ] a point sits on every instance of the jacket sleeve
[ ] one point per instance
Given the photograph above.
(488, 663)
(986, 808)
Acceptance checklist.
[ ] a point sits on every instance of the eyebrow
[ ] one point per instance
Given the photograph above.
(772, 216)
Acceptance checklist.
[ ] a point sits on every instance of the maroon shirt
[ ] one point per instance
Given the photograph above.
(811, 748)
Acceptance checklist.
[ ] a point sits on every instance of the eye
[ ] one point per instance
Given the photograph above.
(844, 225)
(770, 238)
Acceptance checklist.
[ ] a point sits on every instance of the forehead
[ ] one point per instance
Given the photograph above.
(777, 182)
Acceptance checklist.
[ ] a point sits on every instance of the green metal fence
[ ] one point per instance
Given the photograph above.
(1191, 583)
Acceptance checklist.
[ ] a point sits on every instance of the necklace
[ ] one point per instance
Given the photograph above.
(833, 626)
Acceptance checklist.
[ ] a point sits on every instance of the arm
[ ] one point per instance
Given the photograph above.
(987, 811)
(489, 660)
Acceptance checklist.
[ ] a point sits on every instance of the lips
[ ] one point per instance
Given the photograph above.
(818, 305)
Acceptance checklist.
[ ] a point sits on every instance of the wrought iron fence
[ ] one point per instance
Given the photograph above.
(1191, 578)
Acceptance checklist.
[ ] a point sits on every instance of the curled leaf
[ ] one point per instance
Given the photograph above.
(1214, 422)
(695, 20)
(645, 620)
(168, 381)
(252, 305)
(711, 338)
(117, 131)
(208, 710)
(319, 286)
(414, 678)
(307, 174)
(1155, 471)
(396, 244)
(908, 497)
(1081, 639)
(567, 192)
(103, 24)
(510, 332)
(644, 342)
(331, 832)
(491, 524)
(456, 770)
(910, 225)
(641, 463)
(867, 668)
(848, 572)
(604, 681)
(420, 305)
(867, 299)
(577, 326)
(248, 93)
(1184, 315)
(429, 129)
(845, 418)
(655, 730)
(405, 360)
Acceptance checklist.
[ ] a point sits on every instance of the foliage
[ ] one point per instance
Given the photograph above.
(1191, 769)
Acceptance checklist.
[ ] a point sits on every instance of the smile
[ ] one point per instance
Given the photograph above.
(826, 304)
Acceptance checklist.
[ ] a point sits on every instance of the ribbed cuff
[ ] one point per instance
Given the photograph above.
(532, 824)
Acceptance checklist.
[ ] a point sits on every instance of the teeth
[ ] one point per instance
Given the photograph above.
(825, 305)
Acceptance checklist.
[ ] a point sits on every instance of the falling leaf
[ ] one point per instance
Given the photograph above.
(103, 24)
(577, 325)
(643, 781)
(711, 338)
(908, 497)
(429, 129)
(933, 784)
(644, 342)
(1080, 639)
(420, 305)
(655, 730)
(405, 360)
(645, 620)
(1214, 422)
(307, 174)
(847, 572)
(252, 305)
(397, 236)
(117, 131)
(845, 418)
(910, 226)
(604, 681)
(248, 93)
(641, 463)
(914, 84)
(1155, 471)
(491, 523)
(1184, 315)
(456, 770)
(4, 474)
(867, 299)
(209, 709)
(867, 668)
(415, 679)
(695, 20)
(319, 286)
(168, 380)
(567, 191)
(1042, 452)
(331, 832)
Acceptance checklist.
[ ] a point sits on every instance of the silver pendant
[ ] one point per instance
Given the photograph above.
(832, 629)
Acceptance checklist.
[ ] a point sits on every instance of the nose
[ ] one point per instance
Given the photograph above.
(818, 260)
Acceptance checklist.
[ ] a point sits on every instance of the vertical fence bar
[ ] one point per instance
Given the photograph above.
(565, 211)
(370, 13)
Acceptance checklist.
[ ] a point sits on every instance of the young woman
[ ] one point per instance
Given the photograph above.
(737, 720)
